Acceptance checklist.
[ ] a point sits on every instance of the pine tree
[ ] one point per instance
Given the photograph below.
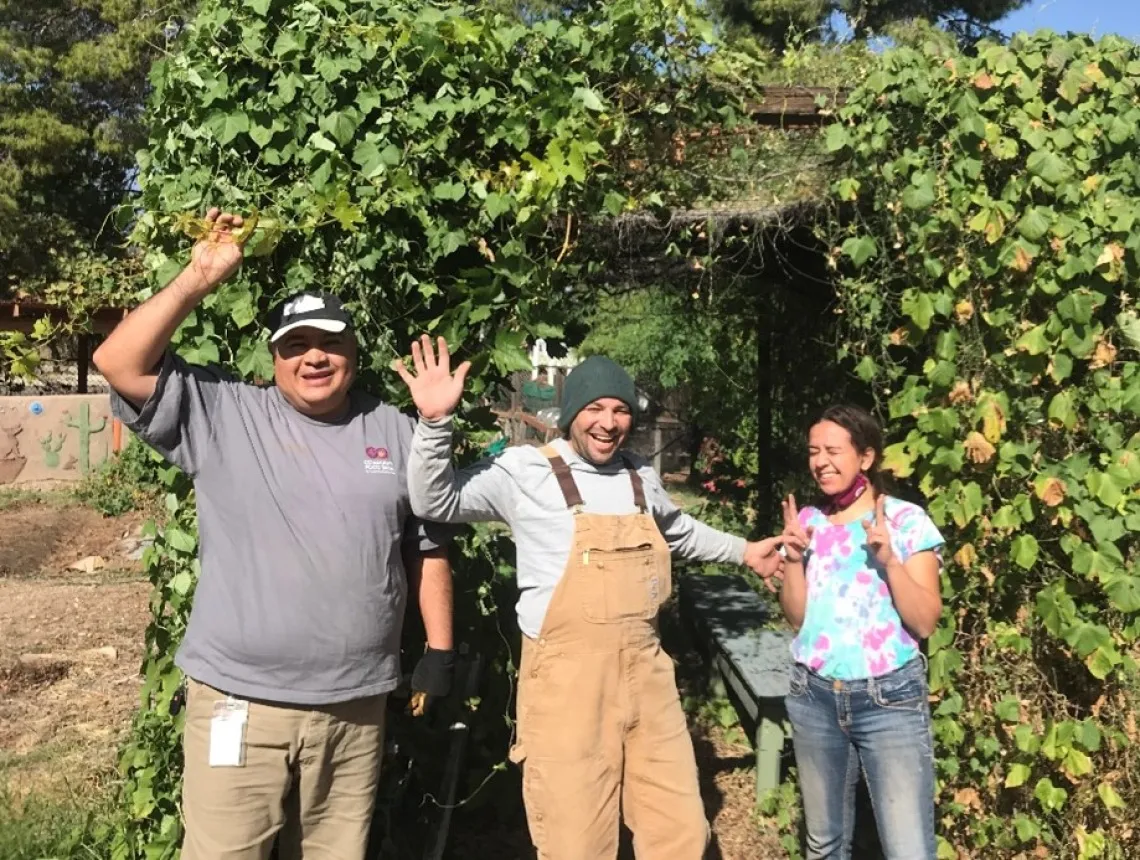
(72, 89)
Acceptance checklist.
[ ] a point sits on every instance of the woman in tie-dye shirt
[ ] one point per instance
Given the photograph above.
(861, 586)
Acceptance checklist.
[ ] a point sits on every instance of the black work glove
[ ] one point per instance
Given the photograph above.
(433, 673)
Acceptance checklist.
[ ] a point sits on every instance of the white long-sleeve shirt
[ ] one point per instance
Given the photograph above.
(519, 488)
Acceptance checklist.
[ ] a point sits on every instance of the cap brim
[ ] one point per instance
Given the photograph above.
(334, 326)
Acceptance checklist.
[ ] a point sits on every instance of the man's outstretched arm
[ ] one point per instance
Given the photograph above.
(129, 357)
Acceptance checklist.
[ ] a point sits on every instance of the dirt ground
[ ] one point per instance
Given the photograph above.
(70, 648)
(70, 644)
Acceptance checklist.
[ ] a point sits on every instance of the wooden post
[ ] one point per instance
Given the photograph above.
(83, 360)
(764, 393)
(657, 454)
(769, 749)
(516, 391)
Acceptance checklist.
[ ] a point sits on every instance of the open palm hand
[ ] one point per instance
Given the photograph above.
(435, 390)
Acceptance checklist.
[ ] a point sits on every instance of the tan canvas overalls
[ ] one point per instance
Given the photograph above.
(601, 732)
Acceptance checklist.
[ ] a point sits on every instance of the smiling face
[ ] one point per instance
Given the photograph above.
(600, 429)
(834, 460)
(314, 370)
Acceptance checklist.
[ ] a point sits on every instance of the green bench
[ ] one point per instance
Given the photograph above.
(725, 615)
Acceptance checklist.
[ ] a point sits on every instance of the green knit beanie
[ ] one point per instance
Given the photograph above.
(593, 379)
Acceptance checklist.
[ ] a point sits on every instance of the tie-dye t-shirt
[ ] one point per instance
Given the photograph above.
(851, 628)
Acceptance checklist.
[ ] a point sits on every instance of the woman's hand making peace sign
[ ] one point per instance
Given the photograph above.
(795, 537)
(878, 535)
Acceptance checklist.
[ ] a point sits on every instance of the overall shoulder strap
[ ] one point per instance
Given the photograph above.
(638, 485)
(565, 479)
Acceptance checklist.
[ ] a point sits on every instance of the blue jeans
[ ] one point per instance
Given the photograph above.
(878, 728)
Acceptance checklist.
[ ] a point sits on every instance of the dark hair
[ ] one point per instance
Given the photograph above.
(865, 434)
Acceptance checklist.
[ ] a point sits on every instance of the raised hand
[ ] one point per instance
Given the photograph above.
(795, 537)
(434, 388)
(878, 535)
(764, 559)
(218, 255)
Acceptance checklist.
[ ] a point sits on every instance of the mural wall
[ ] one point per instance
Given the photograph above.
(57, 437)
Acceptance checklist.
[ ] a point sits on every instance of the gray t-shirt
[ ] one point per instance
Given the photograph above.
(518, 487)
(302, 589)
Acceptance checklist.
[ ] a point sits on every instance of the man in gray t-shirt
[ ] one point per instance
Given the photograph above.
(307, 548)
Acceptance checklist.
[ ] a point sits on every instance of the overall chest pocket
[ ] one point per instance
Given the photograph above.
(623, 584)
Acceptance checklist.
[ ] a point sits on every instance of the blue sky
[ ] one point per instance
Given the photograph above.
(1099, 17)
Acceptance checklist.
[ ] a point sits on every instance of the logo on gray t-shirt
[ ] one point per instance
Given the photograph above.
(378, 462)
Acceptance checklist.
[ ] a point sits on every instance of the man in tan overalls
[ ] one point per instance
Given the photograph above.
(601, 731)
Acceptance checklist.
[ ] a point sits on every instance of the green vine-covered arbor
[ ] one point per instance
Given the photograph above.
(411, 157)
(989, 297)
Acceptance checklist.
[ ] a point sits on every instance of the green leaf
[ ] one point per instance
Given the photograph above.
(1124, 592)
(261, 135)
(838, 137)
(1049, 166)
(860, 249)
(508, 352)
(1035, 341)
(1129, 324)
(1076, 764)
(228, 126)
(181, 582)
(319, 141)
(1062, 412)
(1085, 638)
(1051, 798)
(242, 312)
(179, 540)
(1076, 306)
(340, 125)
(1018, 775)
(1102, 662)
(449, 189)
(1008, 710)
(1088, 735)
(1026, 739)
(1109, 796)
(920, 193)
(254, 360)
(497, 204)
(918, 306)
(1035, 223)
(374, 160)
(1056, 608)
(287, 43)
(589, 98)
(866, 368)
(1024, 550)
(1120, 131)
(615, 202)
(1027, 829)
(347, 213)
(1061, 367)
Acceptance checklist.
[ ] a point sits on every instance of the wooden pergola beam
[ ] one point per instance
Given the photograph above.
(796, 106)
(22, 315)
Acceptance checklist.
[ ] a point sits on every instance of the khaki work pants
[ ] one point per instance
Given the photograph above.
(601, 731)
(310, 776)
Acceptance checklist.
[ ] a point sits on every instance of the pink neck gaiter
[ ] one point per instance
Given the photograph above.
(844, 500)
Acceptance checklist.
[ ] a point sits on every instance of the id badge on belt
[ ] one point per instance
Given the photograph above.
(227, 733)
